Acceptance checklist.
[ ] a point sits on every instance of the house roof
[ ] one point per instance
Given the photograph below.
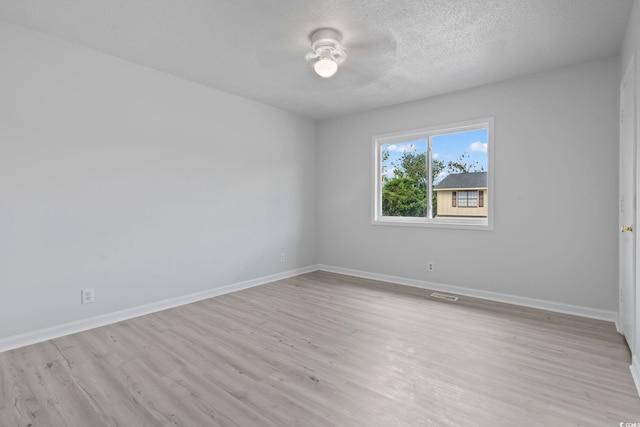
(463, 180)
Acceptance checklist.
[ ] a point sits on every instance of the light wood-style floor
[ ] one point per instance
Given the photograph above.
(325, 349)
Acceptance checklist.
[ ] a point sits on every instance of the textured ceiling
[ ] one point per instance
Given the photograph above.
(398, 50)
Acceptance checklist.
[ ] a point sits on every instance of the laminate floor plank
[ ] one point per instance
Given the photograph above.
(111, 387)
(324, 349)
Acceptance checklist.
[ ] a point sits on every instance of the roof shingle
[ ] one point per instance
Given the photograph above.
(463, 180)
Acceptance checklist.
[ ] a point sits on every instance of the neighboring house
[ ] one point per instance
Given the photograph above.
(462, 194)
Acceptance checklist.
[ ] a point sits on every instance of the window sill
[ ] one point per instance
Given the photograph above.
(452, 223)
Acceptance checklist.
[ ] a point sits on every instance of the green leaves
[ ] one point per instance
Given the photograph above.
(413, 166)
(406, 193)
(403, 196)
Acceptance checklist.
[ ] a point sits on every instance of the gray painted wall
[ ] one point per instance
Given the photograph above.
(138, 184)
(556, 181)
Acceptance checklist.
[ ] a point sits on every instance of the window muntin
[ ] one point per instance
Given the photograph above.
(409, 169)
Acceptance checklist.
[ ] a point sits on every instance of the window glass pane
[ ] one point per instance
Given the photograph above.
(472, 199)
(463, 199)
(404, 178)
(434, 177)
(459, 160)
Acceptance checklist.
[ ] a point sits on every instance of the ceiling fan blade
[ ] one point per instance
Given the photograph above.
(281, 48)
(371, 53)
(311, 55)
(370, 42)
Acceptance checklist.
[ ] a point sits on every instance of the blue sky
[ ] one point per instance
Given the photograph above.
(445, 147)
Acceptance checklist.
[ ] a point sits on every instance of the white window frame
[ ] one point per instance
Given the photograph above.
(426, 133)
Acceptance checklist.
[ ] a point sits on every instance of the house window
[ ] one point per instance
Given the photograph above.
(468, 199)
(436, 177)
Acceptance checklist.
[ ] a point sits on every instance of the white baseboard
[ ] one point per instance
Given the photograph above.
(57, 331)
(118, 316)
(592, 313)
(635, 371)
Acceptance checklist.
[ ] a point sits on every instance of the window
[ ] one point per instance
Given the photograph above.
(468, 199)
(435, 177)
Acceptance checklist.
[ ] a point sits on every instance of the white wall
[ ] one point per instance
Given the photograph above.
(138, 184)
(555, 237)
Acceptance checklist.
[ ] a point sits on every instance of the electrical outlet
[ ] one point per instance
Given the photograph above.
(430, 266)
(87, 296)
(283, 257)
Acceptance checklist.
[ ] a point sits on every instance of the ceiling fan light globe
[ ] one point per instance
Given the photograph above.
(325, 67)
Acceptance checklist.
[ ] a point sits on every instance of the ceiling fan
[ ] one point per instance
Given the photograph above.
(287, 55)
(327, 52)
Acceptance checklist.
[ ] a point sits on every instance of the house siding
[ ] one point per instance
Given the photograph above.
(445, 207)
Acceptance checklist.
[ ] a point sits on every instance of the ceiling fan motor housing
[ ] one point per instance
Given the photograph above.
(325, 42)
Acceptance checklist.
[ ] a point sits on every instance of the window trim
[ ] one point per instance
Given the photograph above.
(425, 133)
